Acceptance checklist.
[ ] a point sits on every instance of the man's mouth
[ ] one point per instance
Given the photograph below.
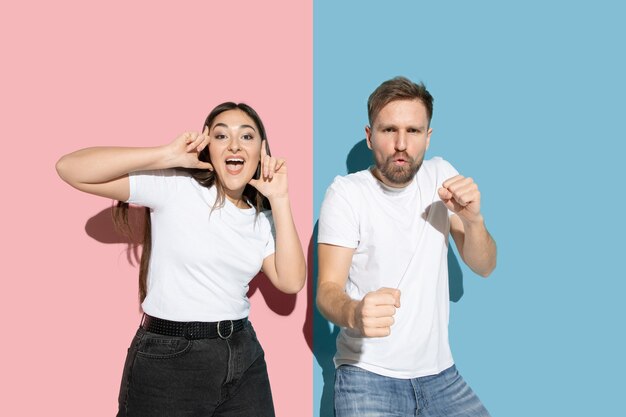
(401, 160)
(234, 165)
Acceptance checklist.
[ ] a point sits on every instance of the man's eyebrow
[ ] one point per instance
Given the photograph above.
(239, 127)
(394, 126)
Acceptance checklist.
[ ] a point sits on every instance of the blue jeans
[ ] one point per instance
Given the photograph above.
(173, 376)
(365, 394)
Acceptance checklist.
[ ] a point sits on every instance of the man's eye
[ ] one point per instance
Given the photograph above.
(388, 130)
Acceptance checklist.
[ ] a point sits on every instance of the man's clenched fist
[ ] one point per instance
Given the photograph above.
(374, 313)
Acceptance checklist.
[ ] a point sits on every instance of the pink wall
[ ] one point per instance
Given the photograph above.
(77, 74)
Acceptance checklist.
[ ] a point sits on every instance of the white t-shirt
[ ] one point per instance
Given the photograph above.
(400, 237)
(202, 259)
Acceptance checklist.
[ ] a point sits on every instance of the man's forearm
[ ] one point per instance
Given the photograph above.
(479, 248)
(335, 305)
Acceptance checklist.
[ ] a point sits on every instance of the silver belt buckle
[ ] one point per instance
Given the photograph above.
(219, 332)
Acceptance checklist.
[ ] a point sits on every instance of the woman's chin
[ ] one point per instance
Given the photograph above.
(235, 183)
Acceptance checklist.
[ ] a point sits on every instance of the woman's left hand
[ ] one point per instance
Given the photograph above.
(273, 181)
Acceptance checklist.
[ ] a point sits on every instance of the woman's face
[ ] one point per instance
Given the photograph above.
(235, 151)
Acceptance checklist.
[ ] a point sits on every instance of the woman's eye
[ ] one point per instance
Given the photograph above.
(220, 136)
(247, 137)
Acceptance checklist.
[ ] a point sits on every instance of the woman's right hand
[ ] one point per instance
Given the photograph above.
(185, 150)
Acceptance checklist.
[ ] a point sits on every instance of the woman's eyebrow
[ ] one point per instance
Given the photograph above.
(238, 127)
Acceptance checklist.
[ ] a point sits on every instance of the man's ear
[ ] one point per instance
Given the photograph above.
(368, 136)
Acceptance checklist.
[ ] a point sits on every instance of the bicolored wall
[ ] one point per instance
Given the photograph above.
(529, 101)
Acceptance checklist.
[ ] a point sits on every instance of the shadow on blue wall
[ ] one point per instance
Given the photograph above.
(324, 333)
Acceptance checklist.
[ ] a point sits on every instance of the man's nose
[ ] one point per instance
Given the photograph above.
(400, 144)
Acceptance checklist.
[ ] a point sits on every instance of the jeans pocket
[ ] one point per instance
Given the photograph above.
(253, 346)
(127, 372)
(248, 328)
(156, 346)
(351, 369)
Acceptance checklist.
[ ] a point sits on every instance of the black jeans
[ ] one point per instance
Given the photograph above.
(173, 376)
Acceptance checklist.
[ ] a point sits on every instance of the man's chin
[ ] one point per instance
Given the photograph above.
(399, 177)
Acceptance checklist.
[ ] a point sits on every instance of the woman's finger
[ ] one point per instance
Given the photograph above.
(272, 167)
(266, 166)
(280, 163)
(204, 143)
(194, 140)
(204, 165)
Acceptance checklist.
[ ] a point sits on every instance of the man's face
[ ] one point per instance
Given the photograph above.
(398, 138)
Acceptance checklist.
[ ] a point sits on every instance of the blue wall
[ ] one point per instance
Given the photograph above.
(529, 101)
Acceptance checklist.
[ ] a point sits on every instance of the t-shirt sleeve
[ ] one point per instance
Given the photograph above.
(338, 224)
(270, 246)
(152, 188)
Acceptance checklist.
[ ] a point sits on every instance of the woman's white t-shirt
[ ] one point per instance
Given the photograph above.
(203, 258)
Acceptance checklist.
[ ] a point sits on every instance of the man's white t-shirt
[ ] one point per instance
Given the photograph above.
(202, 258)
(400, 237)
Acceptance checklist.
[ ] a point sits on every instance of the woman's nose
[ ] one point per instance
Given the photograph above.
(234, 145)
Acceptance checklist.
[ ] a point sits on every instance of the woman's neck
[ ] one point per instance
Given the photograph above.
(237, 199)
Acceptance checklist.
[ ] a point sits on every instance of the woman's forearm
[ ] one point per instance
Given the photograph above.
(101, 164)
(289, 257)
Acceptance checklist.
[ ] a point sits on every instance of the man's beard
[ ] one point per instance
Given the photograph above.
(399, 175)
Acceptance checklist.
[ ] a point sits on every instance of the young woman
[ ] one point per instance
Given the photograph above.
(208, 234)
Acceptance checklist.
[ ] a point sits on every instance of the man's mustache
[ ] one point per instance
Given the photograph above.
(400, 155)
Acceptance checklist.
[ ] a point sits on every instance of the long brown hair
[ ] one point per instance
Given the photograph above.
(205, 178)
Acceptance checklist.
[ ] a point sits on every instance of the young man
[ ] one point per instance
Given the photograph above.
(383, 272)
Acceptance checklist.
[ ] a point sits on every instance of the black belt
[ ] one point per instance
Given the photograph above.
(193, 329)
